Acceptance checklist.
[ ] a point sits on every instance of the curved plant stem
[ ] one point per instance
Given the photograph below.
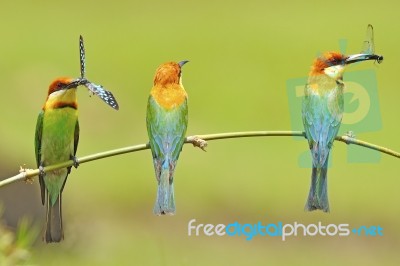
(197, 141)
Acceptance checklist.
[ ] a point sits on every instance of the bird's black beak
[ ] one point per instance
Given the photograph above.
(77, 82)
(363, 57)
(181, 63)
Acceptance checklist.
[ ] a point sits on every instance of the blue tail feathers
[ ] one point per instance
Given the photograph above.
(318, 195)
(165, 202)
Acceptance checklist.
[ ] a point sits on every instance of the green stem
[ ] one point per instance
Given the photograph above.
(198, 141)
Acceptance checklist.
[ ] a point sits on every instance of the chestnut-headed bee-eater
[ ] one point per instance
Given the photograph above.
(56, 141)
(322, 113)
(167, 119)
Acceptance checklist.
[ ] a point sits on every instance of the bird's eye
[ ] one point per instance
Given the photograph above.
(60, 85)
(335, 62)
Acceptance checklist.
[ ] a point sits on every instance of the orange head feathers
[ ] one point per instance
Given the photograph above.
(168, 90)
(326, 60)
(337, 61)
(60, 95)
(168, 73)
(60, 84)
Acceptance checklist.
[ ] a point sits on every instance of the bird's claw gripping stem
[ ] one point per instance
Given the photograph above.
(348, 137)
(76, 162)
(41, 171)
(350, 134)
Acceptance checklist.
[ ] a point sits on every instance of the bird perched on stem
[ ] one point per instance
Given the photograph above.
(167, 119)
(56, 141)
(322, 114)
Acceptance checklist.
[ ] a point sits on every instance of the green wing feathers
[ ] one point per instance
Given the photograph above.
(38, 137)
(166, 129)
(38, 143)
(76, 137)
(322, 115)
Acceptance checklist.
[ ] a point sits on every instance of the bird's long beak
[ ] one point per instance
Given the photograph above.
(181, 63)
(77, 82)
(363, 57)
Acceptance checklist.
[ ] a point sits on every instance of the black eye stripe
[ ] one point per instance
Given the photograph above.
(335, 62)
(60, 86)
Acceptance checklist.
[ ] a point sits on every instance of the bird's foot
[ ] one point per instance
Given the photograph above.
(349, 136)
(41, 171)
(76, 162)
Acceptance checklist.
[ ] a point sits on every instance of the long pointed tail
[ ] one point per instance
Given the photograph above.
(54, 230)
(165, 202)
(318, 195)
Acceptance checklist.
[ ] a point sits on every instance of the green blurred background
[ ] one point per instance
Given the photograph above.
(241, 55)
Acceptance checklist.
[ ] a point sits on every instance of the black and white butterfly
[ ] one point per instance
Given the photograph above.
(99, 90)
